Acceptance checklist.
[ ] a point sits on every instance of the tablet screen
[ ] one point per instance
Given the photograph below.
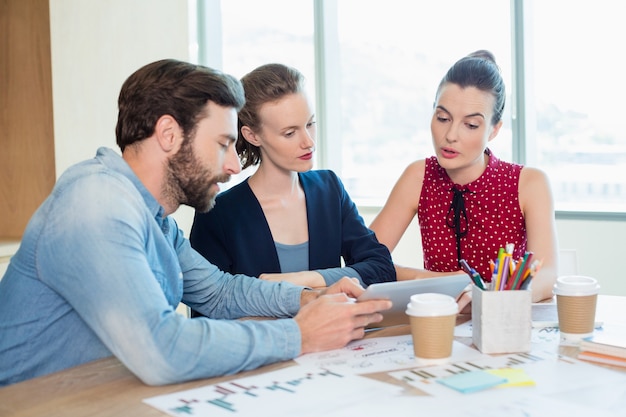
(399, 292)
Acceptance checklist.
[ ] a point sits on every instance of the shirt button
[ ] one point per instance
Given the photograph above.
(180, 275)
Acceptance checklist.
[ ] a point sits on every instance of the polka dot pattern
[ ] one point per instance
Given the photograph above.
(493, 212)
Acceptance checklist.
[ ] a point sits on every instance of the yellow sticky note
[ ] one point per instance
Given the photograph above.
(516, 377)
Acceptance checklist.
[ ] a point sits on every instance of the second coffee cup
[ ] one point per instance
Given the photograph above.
(576, 298)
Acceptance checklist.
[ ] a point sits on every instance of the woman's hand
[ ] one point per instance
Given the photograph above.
(464, 300)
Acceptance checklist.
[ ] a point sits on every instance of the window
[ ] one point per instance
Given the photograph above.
(377, 66)
(575, 109)
(259, 32)
(392, 57)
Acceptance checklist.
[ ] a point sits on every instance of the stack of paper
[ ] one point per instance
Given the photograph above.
(607, 345)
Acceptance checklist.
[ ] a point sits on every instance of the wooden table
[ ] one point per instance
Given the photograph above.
(107, 388)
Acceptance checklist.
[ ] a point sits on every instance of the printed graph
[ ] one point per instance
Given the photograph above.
(293, 390)
(381, 354)
(425, 378)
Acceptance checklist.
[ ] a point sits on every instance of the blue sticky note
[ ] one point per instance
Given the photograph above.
(472, 381)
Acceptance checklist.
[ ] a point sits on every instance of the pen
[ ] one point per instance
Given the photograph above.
(465, 267)
(510, 247)
(522, 267)
(474, 275)
(526, 282)
(498, 270)
(509, 266)
(505, 271)
(478, 280)
(494, 276)
(530, 273)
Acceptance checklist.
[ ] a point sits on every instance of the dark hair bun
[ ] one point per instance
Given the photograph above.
(484, 54)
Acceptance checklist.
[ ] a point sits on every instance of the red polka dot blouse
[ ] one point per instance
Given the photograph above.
(487, 218)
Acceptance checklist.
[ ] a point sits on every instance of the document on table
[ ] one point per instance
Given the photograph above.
(293, 391)
(514, 402)
(308, 392)
(378, 354)
(545, 373)
(539, 383)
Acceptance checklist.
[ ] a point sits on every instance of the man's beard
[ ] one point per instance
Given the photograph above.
(189, 182)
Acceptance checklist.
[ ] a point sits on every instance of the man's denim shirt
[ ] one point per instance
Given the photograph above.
(99, 272)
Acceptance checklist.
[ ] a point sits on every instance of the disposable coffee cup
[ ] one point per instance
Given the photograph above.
(432, 317)
(576, 298)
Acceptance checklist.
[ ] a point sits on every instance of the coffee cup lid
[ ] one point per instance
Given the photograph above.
(431, 305)
(576, 285)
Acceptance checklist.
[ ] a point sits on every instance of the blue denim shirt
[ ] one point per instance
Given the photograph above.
(100, 271)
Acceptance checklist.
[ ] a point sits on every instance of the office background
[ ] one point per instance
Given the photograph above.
(96, 45)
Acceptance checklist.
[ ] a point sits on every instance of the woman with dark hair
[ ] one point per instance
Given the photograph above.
(468, 202)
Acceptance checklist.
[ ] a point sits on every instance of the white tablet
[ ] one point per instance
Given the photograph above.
(399, 292)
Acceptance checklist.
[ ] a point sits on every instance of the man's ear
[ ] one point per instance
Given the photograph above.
(168, 133)
(250, 136)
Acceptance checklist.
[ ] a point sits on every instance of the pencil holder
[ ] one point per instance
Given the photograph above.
(501, 320)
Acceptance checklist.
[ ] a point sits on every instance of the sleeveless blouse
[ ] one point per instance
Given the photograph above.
(493, 217)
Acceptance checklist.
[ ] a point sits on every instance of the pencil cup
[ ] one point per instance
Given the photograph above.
(432, 317)
(576, 298)
(501, 320)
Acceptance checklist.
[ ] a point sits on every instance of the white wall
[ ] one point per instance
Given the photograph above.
(600, 246)
(96, 45)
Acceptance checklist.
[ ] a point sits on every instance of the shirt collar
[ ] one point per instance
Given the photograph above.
(112, 160)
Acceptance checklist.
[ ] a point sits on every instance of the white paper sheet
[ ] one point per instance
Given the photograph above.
(563, 386)
(292, 391)
(376, 355)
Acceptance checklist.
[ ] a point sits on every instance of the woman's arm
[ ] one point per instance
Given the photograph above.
(405, 273)
(537, 205)
(401, 206)
(337, 232)
(311, 279)
(398, 212)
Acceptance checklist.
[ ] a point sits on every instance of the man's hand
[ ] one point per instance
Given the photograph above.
(351, 287)
(333, 319)
(346, 285)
